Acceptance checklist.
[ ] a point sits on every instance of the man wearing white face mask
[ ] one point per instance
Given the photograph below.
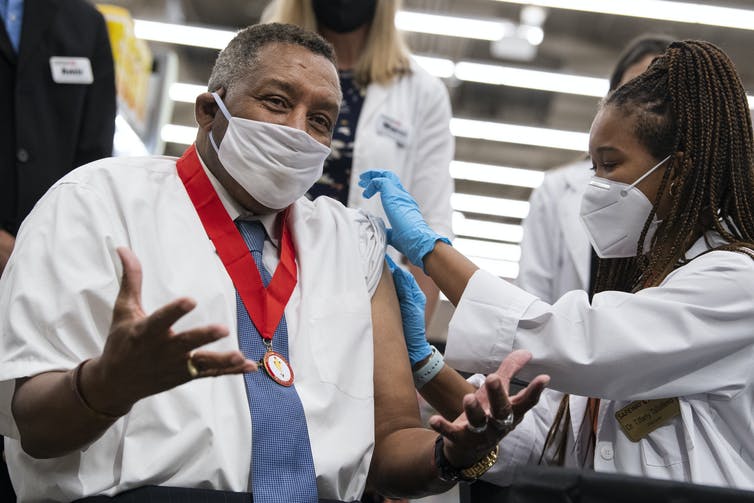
(288, 301)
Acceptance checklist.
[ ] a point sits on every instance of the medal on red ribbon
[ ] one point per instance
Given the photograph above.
(264, 305)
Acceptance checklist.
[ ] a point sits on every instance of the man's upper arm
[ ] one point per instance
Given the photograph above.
(395, 403)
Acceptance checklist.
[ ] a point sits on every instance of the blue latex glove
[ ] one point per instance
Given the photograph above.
(409, 233)
(412, 301)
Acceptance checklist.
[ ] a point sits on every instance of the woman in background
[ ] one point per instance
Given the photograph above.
(394, 114)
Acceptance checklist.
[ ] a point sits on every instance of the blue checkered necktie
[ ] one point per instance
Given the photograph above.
(282, 464)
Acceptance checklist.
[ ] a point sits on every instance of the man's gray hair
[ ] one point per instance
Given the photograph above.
(240, 56)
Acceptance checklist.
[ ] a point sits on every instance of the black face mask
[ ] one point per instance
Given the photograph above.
(343, 16)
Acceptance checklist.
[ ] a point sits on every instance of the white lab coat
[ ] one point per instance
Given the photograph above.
(555, 250)
(404, 127)
(692, 337)
(555, 259)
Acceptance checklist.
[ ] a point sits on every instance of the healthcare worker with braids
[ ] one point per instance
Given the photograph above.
(667, 341)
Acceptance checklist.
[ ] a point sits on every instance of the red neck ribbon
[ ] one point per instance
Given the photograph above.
(265, 305)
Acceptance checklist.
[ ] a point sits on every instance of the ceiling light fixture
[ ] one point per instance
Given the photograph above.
(488, 249)
(524, 135)
(195, 36)
(531, 79)
(485, 205)
(451, 26)
(679, 12)
(472, 227)
(501, 175)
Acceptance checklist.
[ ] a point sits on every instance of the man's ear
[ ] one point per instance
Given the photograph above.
(205, 109)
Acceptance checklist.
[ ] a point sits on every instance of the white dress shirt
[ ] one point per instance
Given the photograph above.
(56, 299)
(692, 337)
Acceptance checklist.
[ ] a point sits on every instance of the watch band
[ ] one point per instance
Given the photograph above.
(449, 473)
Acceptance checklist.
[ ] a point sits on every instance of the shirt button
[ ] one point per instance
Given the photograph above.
(22, 155)
(606, 451)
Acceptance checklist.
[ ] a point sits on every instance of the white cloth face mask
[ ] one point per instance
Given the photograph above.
(614, 214)
(275, 164)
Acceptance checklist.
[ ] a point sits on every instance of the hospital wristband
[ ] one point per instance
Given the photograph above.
(429, 370)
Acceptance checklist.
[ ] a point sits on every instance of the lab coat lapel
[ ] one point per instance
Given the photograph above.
(574, 235)
(38, 17)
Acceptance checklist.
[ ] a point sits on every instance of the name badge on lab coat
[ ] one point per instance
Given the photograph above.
(392, 128)
(640, 418)
(71, 70)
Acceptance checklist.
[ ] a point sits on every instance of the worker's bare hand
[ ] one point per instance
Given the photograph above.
(489, 414)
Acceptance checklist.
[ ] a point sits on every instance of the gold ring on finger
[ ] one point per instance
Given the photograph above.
(192, 370)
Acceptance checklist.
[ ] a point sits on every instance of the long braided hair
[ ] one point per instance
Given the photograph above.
(689, 103)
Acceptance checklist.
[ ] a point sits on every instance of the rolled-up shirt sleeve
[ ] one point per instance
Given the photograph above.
(372, 246)
(56, 295)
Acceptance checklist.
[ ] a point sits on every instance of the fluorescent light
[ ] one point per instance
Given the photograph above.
(464, 128)
(452, 26)
(173, 133)
(196, 36)
(485, 205)
(500, 268)
(439, 67)
(533, 34)
(501, 175)
(532, 79)
(488, 249)
(186, 93)
(680, 12)
(525, 135)
(463, 226)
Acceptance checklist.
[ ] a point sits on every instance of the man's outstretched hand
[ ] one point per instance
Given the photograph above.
(485, 420)
(143, 356)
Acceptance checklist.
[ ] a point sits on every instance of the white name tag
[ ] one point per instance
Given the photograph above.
(71, 70)
(392, 128)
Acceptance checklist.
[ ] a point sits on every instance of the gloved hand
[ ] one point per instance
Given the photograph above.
(412, 312)
(409, 233)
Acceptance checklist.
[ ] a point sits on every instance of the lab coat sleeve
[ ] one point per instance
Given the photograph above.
(540, 243)
(372, 246)
(431, 183)
(57, 294)
(693, 334)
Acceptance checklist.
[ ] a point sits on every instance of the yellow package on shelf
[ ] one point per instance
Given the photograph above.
(133, 63)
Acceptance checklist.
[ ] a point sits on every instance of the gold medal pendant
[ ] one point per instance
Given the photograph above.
(277, 368)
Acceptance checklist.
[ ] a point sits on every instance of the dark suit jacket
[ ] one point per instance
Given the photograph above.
(47, 128)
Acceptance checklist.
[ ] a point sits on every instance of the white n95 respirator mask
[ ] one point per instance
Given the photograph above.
(614, 214)
(275, 164)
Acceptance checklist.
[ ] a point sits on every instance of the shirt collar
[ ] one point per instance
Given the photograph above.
(236, 211)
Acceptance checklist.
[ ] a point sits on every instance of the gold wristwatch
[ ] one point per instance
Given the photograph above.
(449, 473)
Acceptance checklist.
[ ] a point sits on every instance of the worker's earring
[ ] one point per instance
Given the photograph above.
(670, 190)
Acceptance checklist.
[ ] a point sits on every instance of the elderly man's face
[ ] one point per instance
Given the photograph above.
(292, 86)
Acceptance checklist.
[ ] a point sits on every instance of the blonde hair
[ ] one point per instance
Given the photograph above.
(385, 55)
